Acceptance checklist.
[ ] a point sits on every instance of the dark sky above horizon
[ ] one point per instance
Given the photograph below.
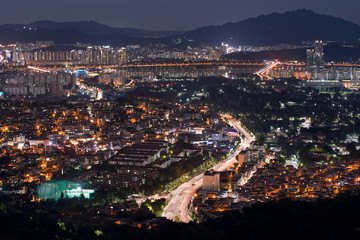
(165, 14)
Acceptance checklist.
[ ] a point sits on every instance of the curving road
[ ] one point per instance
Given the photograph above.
(181, 196)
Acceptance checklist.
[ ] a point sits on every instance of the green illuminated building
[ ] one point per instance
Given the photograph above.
(53, 190)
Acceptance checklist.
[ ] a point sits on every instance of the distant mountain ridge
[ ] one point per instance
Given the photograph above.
(291, 27)
(81, 31)
(95, 28)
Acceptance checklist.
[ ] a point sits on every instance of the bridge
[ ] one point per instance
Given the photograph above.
(263, 71)
(133, 67)
(192, 64)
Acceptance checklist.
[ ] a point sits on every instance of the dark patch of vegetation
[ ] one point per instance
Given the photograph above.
(337, 218)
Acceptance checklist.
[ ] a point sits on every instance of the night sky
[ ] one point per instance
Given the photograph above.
(165, 14)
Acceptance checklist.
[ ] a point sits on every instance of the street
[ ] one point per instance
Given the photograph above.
(181, 196)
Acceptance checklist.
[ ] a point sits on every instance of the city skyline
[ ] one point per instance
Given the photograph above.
(116, 125)
(166, 15)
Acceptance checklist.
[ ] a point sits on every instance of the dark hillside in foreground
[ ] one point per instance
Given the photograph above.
(337, 218)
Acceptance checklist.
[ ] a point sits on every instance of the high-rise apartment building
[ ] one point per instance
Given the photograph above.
(315, 60)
